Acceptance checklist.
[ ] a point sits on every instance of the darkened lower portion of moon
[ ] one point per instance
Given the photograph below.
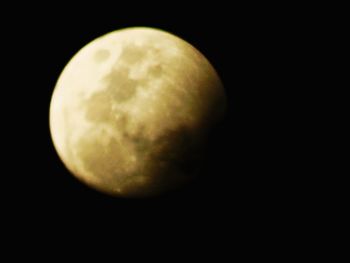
(165, 163)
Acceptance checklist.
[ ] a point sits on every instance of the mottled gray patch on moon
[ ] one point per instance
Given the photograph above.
(167, 160)
(132, 54)
(119, 85)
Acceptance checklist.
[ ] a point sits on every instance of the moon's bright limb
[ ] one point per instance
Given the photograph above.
(130, 110)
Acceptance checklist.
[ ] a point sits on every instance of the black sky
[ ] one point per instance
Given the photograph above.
(246, 177)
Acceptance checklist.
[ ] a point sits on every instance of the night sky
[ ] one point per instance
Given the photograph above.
(245, 179)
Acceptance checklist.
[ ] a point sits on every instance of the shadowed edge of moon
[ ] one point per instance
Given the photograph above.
(164, 164)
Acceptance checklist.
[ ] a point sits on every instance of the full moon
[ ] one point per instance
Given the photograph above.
(131, 111)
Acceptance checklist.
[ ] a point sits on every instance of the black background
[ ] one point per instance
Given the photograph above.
(248, 183)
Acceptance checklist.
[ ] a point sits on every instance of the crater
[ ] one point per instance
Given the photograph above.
(111, 163)
(155, 71)
(98, 107)
(101, 55)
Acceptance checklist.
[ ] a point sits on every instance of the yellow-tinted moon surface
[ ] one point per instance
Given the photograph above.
(131, 110)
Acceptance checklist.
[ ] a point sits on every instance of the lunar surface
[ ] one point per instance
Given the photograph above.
(131, 111)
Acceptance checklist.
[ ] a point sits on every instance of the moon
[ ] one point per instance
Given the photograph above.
(131, 111)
